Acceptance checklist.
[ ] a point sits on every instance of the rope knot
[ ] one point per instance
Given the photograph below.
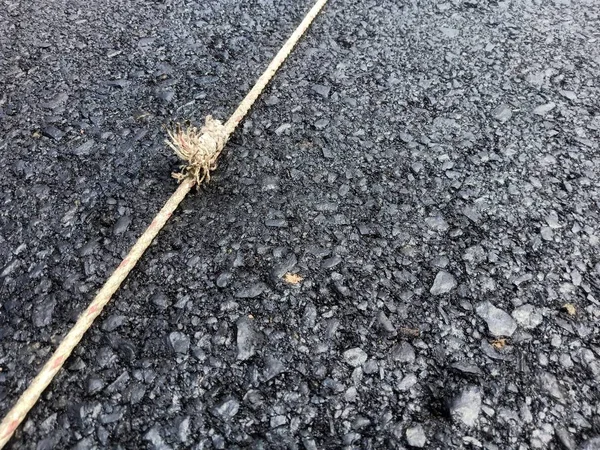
(198, 148)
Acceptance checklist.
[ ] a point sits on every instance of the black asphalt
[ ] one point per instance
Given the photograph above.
(430, 169)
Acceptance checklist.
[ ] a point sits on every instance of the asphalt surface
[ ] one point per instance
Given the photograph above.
(430, 170)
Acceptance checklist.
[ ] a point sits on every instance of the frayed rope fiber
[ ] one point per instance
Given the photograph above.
(199, 149)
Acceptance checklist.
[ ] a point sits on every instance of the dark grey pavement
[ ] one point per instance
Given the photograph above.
(430, 169)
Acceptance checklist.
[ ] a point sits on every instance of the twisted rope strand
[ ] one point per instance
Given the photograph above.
(200, 151)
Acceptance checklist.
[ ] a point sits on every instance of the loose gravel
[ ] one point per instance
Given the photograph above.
(429, 169)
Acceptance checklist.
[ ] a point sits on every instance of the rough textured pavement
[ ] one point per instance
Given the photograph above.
(430, 169)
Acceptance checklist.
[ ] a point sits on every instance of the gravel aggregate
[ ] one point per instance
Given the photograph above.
(399, 247)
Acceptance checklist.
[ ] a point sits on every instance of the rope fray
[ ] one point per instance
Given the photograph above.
(198, 148)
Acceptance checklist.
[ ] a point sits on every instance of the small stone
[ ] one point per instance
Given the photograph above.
(502, 113)
(165, 95)
(272, 100)
(440, 261)
(466, 368)
(576, 277)
(309, 317)
(112, 417)
(437, 223)
(404, 353)
(566, 439)
(85, 148)
(472, 214)
(323, 91)
(321, 124)
(120, 83)
(180, 342)
(135, 393)
(113, 322)
(145, 42)
(284, 266)
(542, 110)
(227, 409)
(84, 444)
(52, 132)
(415, 436)
(341, 289)
(407, 382)
(444, 282)
(277, 421)
(119, 384)
(365, 230)
(590, 444)
(282, 128)
(160, 300)
(565, 360)
(569, 94)
(556, 341)
(351, 394)
(449, 32)
(523, 278)
(370, 367)
(527, 317)
(525, 413)
(252, 291)
(14, 265)
(541, 437)
(349, 439)
(57, 101)
(154, 438)
(385, 322)
(547, 233)
(406, 137)
(89, 247)
(549, 383)
(552, 220)
(331, 262)
(309, 443)
(42, 313)
(183, 430)
(246, 339)
(355, 357)
(499, 322)
(121, 225)
(218, 441)
(465, 407)
(276, 223)
(94, 384)
(223, 279)
(475, 254)
(417, 167)
(273, 367)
